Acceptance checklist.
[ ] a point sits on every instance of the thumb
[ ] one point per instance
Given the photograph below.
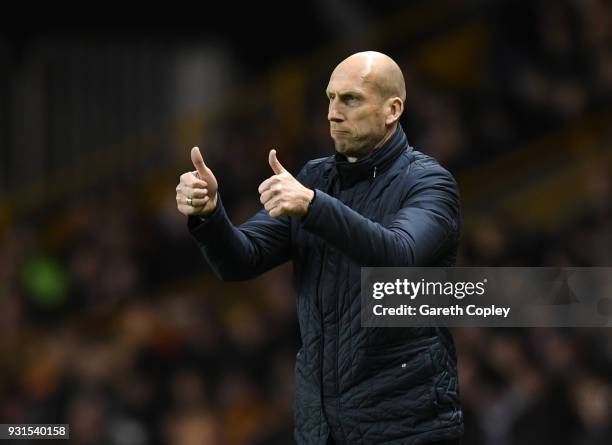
(198, 161)
(276, 166)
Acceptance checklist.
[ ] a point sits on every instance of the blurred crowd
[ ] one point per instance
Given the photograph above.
(110, 321)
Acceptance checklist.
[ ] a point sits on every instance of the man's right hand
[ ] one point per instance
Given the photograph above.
(196, 193)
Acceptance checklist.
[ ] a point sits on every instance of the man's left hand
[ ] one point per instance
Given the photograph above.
(282, 194)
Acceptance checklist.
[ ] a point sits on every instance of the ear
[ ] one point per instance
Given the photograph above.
(394, 108)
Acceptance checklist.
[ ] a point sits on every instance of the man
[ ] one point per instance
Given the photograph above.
(376, 202)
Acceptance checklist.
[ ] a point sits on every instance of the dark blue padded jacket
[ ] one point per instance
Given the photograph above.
(395, 207)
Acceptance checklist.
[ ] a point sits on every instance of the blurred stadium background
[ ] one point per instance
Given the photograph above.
(109, 318)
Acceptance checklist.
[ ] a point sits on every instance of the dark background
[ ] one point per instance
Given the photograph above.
(109, 318)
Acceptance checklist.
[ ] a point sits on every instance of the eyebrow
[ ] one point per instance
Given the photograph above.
(344, 93)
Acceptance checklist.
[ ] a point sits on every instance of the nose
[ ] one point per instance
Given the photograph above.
(333, 115)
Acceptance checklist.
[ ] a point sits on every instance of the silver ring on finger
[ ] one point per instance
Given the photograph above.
(189, 201)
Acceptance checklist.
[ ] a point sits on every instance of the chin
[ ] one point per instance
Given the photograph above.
(342, 148)
(349, 152)
(351, 147)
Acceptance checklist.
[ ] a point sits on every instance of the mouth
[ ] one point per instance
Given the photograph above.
(334, 130)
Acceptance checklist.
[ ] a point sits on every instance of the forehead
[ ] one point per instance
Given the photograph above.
(342, 80)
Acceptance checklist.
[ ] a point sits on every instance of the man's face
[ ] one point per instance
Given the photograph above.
(356, 119)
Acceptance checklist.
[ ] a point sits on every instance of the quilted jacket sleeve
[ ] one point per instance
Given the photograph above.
(420, 230)
(244, 252)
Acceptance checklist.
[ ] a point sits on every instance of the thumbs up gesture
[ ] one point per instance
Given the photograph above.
(196, 193)
(282, 194)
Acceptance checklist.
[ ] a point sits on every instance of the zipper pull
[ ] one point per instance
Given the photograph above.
(374, 175)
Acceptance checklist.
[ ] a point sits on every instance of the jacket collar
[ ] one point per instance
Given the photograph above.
(373, 164)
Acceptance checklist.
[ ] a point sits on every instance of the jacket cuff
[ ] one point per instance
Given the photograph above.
(202, 227)
(316, 211)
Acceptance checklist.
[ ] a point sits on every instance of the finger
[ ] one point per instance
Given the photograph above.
(182, 199)
(269, 205)
(265, 185)
(191, 201)
(195, 182)
(266, 196)
(190, 178)
(196, 175)
(276, 211)
(198, 162)
(194, 193)
(276, 166)
(199, 202)
(272, 203)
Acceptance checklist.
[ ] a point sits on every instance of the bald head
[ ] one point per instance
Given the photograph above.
(366, 94)
(377, 70)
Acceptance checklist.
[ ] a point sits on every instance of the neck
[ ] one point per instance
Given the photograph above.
(380, 143)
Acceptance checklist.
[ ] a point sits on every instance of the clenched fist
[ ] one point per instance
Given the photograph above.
(196, 193)
(282, 194)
